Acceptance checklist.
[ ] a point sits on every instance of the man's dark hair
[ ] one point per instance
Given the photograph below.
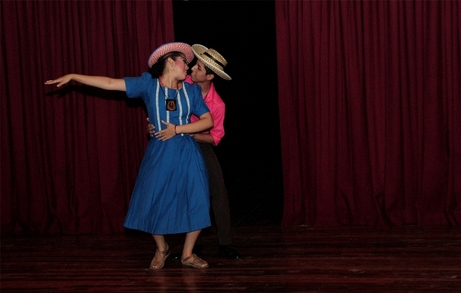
(208, 70)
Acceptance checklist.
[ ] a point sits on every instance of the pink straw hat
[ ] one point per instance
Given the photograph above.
(171, 47)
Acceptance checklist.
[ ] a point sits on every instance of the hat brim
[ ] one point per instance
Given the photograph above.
(171, 47)
(198, 51)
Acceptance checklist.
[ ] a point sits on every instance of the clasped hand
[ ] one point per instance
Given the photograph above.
(164, 134)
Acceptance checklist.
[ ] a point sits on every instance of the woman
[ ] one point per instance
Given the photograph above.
(171, 192)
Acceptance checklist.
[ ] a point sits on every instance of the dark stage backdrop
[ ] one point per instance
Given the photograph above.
(69, 157)
(370, 103)
(368, 97)
(244, 33)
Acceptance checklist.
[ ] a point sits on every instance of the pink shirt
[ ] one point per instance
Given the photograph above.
(217, 111)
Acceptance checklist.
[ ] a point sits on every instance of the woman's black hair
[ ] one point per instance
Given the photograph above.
(157, 69)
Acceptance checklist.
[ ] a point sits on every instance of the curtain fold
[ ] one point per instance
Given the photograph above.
(369, 98)
(369, 95)
(70, 156)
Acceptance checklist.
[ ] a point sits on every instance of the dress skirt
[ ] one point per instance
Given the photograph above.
(171, 193)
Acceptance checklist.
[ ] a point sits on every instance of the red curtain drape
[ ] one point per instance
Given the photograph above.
(370, 109)
(69, 157)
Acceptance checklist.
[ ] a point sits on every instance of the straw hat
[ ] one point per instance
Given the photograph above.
(212, 59)
(170, 47)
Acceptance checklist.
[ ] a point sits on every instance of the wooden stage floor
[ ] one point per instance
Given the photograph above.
(299, 259)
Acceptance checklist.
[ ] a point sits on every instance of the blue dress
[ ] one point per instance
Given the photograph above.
(171, 193)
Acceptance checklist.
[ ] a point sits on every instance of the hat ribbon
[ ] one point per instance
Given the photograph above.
(212, 58)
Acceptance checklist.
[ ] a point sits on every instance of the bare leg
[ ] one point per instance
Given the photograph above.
(160, 241)
(191, 238)
(188, 258)
(161, 253)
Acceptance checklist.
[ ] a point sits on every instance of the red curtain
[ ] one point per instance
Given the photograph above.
(369, 97)
(69, 157)
(370, 109)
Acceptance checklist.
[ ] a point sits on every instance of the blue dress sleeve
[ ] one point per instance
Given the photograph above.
(136, 87)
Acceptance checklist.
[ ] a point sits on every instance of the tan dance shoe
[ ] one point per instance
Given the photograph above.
(159, 259)
(194, 261)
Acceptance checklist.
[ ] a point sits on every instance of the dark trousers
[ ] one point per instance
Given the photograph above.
(218, 194)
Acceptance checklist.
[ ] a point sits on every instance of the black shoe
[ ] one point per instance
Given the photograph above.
(197, 250)
(228, 251)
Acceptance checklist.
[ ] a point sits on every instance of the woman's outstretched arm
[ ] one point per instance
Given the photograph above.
(103, 82)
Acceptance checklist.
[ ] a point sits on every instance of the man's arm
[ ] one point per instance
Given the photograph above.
(200, 137)
(205, 122)
(203, 137)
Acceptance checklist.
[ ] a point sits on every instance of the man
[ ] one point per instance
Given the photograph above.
(209, 64)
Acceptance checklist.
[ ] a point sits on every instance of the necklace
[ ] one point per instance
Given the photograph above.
(170, 103)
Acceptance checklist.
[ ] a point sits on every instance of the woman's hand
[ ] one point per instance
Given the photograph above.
(60, 80)
(166, 133)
